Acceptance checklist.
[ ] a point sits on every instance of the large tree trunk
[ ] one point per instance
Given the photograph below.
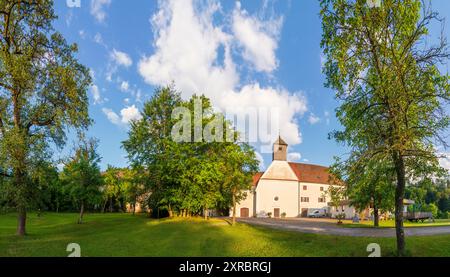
(110, 205)
(376, 214)
(399, 193)
(170, 211)
(233, 221)
(104, 206)
(205, 213)
(19, 181)
(21, 220)
(80, 219)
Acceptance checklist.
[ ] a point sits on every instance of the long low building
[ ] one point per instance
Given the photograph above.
(286, 189)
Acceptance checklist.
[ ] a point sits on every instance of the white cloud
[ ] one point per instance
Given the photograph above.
(99, 39)
(69, 17)
(294, 156)
(258, 38)
(121, 58)
(313, 119)
(327, 117)
(445, 161)
(112, 116)
(127, 115)
(96, 94)
(82, 34)
(260, 158)
(186, 52)
(98, 9)
(124, 86)
(288, 105)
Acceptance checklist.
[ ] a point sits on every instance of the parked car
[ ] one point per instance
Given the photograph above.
(317, 213)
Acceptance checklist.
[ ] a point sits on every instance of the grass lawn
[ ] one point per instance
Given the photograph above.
(127, 235)
(391, 224)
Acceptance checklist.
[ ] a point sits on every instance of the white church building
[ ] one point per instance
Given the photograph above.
(287, 189)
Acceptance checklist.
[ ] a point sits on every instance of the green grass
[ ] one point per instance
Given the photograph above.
(127, 235)
(391, 224)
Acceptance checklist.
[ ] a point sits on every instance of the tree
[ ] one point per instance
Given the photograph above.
(82, 177)
(42, 92)
(47, 192)
(391, 90)
(240, 166)
(113, 188)
(135, 181)
(369, 184)
(337, 195)
(194, 175)
(149, 145)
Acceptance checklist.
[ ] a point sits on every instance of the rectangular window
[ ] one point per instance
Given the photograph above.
(305, 187)
(321, 199)
(304, 199)
(321, 188)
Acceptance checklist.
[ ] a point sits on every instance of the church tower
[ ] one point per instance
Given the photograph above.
(279, 150)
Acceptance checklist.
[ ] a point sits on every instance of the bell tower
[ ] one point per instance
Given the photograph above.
(279, 150)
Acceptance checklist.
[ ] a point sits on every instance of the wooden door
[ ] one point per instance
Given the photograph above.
(304, 212)
(244, 212)
(276, 212)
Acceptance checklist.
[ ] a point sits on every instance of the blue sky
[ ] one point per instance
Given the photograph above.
(249, 53)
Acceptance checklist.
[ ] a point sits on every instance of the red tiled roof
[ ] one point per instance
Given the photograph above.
(310, 173)
(256, 178)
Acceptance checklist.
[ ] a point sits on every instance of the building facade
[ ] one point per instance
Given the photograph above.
(286, 189)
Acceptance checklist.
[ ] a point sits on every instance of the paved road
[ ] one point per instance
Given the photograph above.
(324, 226)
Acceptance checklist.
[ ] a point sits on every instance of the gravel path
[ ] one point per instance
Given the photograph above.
(328, 227)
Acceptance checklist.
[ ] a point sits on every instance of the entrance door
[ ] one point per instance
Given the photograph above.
(244, 212)
(304, 212)
(276, 212)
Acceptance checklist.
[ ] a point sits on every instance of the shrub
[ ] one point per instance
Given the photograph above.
(443, 215)
(269, 214)
(283, 214)
(340, 216)
(431, 208)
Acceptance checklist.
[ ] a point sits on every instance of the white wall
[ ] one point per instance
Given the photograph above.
(313, 192)
(287, 193)
(245, 203)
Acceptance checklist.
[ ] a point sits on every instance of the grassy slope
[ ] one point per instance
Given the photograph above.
(391, 224)
(127, 235)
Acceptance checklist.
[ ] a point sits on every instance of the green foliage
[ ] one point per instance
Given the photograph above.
(431, 208)
(187, 177)
(391, 91)
(431, 191)
(42, 93)
(81, 175)
(123, 235)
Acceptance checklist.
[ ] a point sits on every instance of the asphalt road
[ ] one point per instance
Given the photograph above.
(329, 227)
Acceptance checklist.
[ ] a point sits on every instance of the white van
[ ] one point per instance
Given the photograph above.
(317, 213)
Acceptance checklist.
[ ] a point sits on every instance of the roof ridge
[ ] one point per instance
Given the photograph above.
(309, 164)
